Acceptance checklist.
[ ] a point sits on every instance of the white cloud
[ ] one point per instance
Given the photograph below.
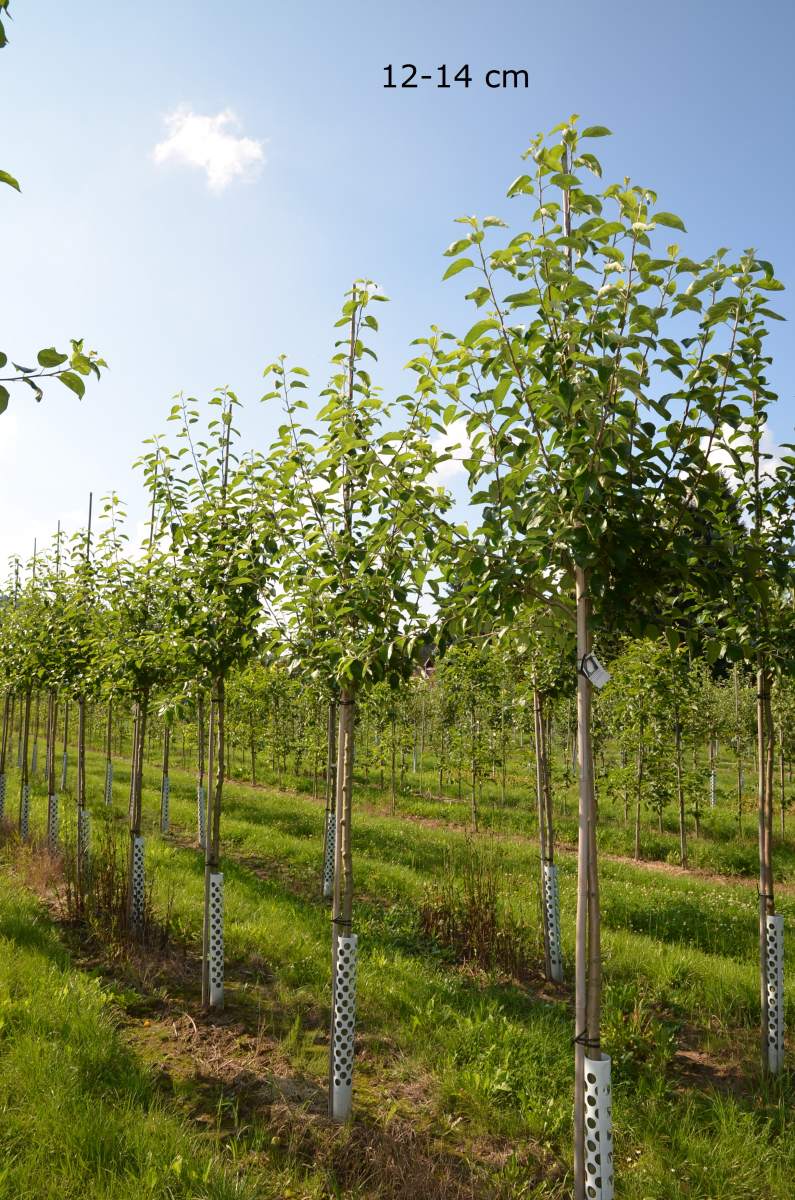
(206, 142)
(455, 442)
(770, 451)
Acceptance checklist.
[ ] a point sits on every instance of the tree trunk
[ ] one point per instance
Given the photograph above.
(82, 812)
(680, 791)
(638, 793)
(781, 775)
(764, 795)
(588, 968)
(329, 837)
(64, 758)
(135, 876)
(342, 902)
(212, 938)
(24, 780)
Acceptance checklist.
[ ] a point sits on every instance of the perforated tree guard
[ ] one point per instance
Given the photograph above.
(165, 793)
(598, 1130)
(328, 858)
(137, 899)
(343, 1029)
(216, 940)
(108, 782)
(552, 919)
(24, 812)
(64, 768)
(84, 836)
(2, 796)
(774, 953)
(201, 815)
(52, 823)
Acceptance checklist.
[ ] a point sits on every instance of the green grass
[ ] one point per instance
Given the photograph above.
(80, 1113)
(469, 1057)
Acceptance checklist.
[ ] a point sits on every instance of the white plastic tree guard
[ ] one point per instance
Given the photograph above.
(328, 858)
(84, 836)
(201, 815)
(2, 796)
(137, 899)
(774, 953)
(342, 1033)
(552, 919)
(52, 823)
(24, 812)
(598, 1130)
(216, 940)
(165, 793)
(64, 769)
(109, 782)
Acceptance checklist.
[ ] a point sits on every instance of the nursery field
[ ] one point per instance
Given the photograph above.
(115, 1083)
(402, 809)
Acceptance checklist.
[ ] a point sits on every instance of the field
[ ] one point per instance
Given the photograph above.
(116, 1084)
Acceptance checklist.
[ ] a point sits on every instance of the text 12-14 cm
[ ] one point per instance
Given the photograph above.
(409, 76)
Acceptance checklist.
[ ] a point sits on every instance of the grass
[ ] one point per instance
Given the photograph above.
(471, 1069)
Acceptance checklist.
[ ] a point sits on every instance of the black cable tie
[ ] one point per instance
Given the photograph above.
(341, 921)
(582, 1039)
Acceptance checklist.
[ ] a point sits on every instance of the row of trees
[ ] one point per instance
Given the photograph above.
(614, 400)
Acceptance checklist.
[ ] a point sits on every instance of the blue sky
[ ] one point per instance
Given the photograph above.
(186, 286)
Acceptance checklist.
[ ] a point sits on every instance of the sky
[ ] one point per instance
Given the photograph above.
(201, 183)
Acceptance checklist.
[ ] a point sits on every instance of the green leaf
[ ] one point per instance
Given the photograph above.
(596, 131)
(9, 179)
(478, 329)
(73, 382)
(3, 359)
(51, 358)
(669, 219)
(4, 398)
(460, 264)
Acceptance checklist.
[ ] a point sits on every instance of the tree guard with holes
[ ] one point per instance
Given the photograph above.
(201, 814)
(216, 941)
(328, 859)
(24, 812)
(137, 899)
(552, 919)
(108, 782)
(165, 794)
(774, 951)
(342, 1031)
(83, 836)
(52, 823)
(598, 1130)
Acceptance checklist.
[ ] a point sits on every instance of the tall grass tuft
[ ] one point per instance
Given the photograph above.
(467, 914)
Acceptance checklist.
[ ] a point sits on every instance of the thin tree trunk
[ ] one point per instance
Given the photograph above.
(680, 791)
(24, 781)
(82, 848)
(766, 901)
(587, 1002)
(342, 901)
(215, 789)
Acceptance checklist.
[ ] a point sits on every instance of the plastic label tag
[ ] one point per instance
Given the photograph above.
(592, 669)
